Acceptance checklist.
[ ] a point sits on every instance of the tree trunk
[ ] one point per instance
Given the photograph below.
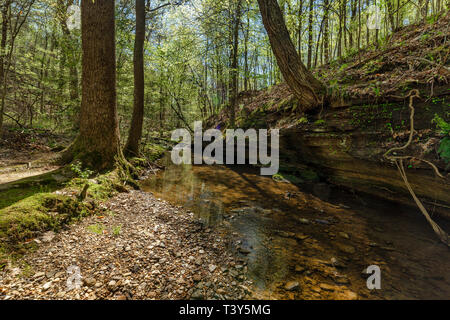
(4, 35)
(134, 137)
(98, 143)
(69, 50)
(234, 65)
(326, 34)
(300, 18)
(308, 90)
(310, 33)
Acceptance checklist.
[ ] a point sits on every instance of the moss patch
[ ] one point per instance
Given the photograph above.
(32, 209)
(38, 213)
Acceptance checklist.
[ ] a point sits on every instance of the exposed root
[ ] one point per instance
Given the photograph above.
(443, 236)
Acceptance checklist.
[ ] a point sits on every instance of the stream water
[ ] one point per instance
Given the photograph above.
(299, 246)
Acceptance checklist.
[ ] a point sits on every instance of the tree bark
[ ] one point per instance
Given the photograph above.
(308, 90)
(300, 13)
(234, 65)
(98, 143)
(4, 35)
(69, 50)
(135, 134)
(326, 32)
(310, 33)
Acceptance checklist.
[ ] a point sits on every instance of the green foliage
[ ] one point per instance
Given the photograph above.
(77, 168)
(96, 228)
(444, 129)
(116, 230)
(442, 125)
(320, 122)
(444, 149)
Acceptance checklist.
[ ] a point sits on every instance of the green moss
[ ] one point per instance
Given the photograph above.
(154, 152)
(96, 228)
(38, 213)
(101, 188)
(287, 177)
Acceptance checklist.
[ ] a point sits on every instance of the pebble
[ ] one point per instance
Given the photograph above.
(292, 285)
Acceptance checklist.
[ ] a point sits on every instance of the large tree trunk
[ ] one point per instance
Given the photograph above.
(308, 90)
(135, 135)
(4, 35)
(98, 143)
(68, 50)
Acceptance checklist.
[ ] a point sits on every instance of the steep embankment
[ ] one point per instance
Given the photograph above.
(370, 114)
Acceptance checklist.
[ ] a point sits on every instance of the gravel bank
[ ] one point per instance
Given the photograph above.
(144, 248)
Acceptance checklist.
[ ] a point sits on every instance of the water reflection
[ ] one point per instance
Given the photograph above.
(252, 204)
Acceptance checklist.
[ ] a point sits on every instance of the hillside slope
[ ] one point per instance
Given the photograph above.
(370, 114)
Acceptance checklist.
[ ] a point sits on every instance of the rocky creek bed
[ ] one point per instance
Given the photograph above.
(143, 249)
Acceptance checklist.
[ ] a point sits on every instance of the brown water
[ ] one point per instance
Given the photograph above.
(286, 234)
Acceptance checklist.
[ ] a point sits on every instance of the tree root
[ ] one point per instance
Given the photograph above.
(443, 236)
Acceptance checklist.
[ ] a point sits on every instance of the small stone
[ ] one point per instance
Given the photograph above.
(301, 237)
(212, 268)
(50, 274)
(344, 235)
(48, 236)
(304, 221)
(221, 291)
(349, 295)
(324, 222)
(47, 286)
(292, 286)
(326, 287)
(244, 250)
(336, 263)
(112, 285)
(197, 278)
(346, 248)
(90, 282)
(197, 295)
(342, 280)
(299, 269)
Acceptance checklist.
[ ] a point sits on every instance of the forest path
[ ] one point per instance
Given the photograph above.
(28, 154)
(13, 174)
(143, 249)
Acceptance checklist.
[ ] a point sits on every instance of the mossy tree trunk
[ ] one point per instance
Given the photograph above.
(98, 143)
(308, 90)
(135, 135)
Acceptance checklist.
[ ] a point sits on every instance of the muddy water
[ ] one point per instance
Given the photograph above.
(298, 246)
